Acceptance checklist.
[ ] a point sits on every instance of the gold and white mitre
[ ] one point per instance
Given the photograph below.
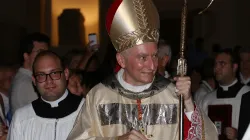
(132, 22)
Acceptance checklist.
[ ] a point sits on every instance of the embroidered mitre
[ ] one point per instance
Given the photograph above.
(132, 22)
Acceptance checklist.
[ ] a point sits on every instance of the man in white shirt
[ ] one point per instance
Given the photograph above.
(50, 117)
(22, 91)
(208, 83)
(245, 78)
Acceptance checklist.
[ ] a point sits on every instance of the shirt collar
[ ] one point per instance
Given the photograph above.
(25, 71)
(167, 75)
(225, 88)
(56, 102)
(244, 81)
(128, 86)
(207, 85)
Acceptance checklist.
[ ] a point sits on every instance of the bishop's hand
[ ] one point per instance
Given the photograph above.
(132, 135)
(183, 86)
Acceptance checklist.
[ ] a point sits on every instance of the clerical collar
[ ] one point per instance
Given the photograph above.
(225, 88)
(128, 86)
(244, 81)
(56, 102)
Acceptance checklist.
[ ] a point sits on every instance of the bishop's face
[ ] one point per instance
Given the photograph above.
(139, 63)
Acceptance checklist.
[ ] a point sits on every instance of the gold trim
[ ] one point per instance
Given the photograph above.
(141, 25)
(141, 14)
(137, 37)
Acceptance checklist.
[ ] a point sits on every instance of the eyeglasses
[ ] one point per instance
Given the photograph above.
(42, 77)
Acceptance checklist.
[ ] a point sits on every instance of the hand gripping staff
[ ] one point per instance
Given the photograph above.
(182, 63)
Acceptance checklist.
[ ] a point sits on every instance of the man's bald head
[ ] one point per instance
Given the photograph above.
(47, 54)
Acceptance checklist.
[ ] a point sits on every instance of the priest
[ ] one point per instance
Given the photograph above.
(228, 106)
(51, 116)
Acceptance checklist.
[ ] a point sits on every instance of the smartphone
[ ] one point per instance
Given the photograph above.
(93, 38)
